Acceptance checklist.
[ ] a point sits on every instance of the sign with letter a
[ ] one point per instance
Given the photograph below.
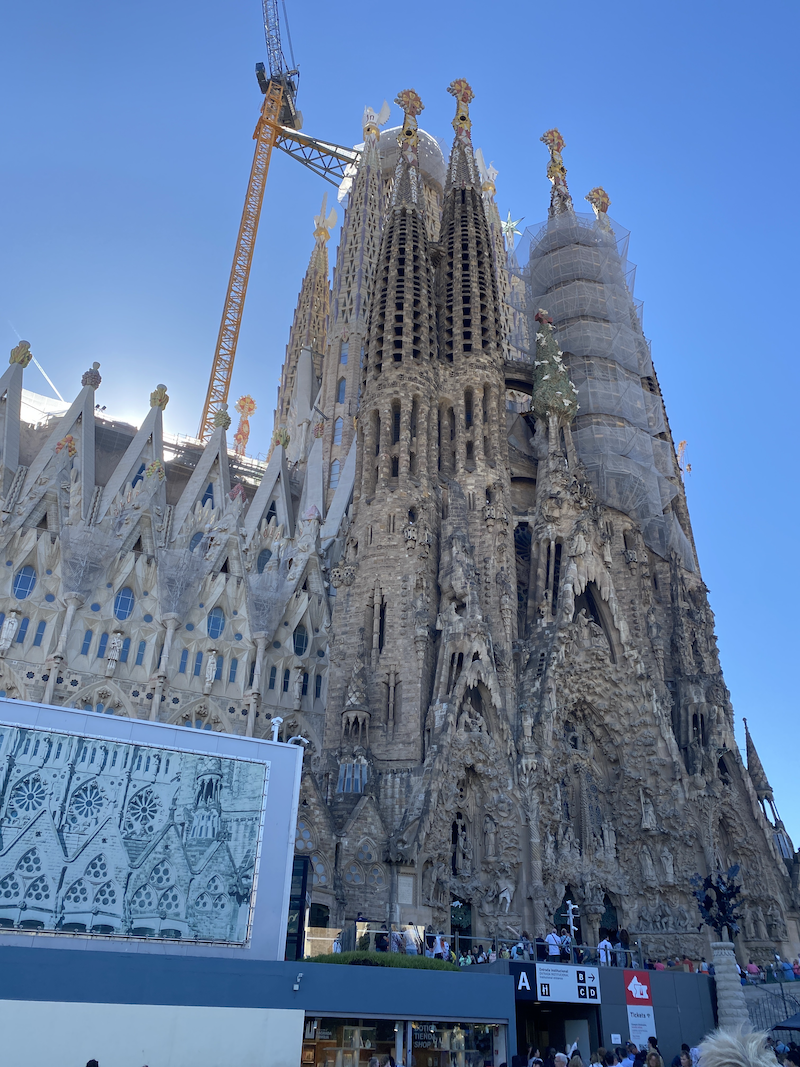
(639, 1001)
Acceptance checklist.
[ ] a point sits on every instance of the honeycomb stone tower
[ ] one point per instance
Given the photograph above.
(526, 703)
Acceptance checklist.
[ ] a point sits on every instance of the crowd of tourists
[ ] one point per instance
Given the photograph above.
(703, 1055)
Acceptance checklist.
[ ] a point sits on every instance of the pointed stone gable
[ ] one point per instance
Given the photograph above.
(212, 471)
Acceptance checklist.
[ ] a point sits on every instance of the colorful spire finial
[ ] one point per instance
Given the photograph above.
(600, 201)
(462, 91)
(408, 138)
(371, 122)
(159, 398)
(245, 405)
(560, 200)
(21, 354)
(324, 225)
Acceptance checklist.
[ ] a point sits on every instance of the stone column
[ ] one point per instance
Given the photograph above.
(255, 689)
(731, 1003)
(73, 602)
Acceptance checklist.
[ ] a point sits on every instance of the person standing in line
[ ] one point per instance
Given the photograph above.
(604, 950)
(566, 945)
(553, 945)
(410, 936)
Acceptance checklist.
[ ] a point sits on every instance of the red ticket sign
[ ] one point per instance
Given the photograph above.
(639, 1001)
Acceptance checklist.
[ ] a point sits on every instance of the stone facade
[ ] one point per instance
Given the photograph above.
(466, 575)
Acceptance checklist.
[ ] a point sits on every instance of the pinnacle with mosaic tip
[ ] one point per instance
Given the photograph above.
(560, 199)
(462, 91)
(21, 354)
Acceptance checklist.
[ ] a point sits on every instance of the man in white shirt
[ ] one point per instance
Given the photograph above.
(553, 945)
(604, 952)
(410, 935)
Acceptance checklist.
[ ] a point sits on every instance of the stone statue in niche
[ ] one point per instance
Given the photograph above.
(113, 652)
(648, 812)
(648, 870)
(470, 720)
(490, 836)
(669, 865)
(211, 670)
(8, 630)
(463, 851)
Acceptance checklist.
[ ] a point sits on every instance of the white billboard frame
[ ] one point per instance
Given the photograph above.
(269, 900)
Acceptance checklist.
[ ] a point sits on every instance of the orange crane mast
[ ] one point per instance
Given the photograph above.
(272, 130)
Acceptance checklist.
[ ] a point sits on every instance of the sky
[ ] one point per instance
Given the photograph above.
(125, 148)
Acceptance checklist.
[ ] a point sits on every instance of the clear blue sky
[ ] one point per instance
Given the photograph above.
(125, 135)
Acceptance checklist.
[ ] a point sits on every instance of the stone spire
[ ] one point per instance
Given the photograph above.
(354, 279)
(755, 768)
(472, 320)
(560, 200)
(310, 323)
(407, 182)
(462, 170)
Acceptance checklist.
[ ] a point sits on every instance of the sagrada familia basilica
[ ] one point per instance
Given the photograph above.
(466, 575)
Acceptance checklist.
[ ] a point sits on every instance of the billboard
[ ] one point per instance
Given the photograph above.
(639, 1004)
(112, 828)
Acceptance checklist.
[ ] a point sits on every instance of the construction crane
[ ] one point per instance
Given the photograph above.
(278, 126)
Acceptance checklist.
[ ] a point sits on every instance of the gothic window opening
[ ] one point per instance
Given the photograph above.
(343, 353)
(300, 640)
(22, 632)
(395, 466)
(286, 677)
(395, 423)
(215, 623)
(138, 477)
(338, 427)
(591, 603)
(414, 413)
(340, 391)
(468, 408)
(24, 582)
(318, 687)
(198, 664)
(272, 514)
(208, 495)
(37, 641)
(273, 673)
(334, 477)
(123, 603)
(102, 644)
(139, 651)
(382, 626)
(522, 554)
(233, 670)
(352, 777)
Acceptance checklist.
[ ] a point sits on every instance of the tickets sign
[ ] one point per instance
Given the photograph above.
(639, 1002)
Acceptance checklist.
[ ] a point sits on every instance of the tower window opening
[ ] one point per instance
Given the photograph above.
(340, 391)
(395, 466)
(318, 687)
(395, 424)
(333, 482)
(468, 408)
(556, 578)
(343, 353)
(338, 426)
(382, 626)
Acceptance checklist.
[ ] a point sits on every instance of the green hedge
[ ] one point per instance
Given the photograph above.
(386, 959)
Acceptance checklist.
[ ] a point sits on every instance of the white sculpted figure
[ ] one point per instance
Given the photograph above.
(490, 835)
(7, 632)
(113, 652)
(211, 670)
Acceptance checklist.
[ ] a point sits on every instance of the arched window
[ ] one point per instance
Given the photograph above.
(286, 676)
(200, 725)
(22, 632)
(272, 513)
(303, 838)
(24, 581)
(273, 672)
(215, 623)
(340, 391)
(195, 541)
(123, 603)
(233, 670)
(320, 873)
(354, 875)
(343, 352)
(138, 477)
(184, 661)
(334, 480)
(338, 426)
(198, 664)
(218, 674)
(87, 643)
(140, 653)
(300, 640)
(318, 687)
(126, 647)
(102, 645)
(264, 556)
(39, 634)
(208, 495)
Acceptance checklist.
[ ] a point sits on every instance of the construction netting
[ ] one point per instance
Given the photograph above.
(578, 271)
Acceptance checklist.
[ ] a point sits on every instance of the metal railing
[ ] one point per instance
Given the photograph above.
(771, 1006)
